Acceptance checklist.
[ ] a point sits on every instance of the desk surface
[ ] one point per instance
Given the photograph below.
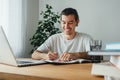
(49, 72)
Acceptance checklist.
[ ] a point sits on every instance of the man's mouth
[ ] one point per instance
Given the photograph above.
(67, 30)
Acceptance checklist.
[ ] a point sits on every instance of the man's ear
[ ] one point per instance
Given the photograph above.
(78, 21)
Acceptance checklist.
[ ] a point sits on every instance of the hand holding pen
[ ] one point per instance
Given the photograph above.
(52, 55)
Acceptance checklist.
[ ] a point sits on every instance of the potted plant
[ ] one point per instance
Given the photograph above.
(46, 27)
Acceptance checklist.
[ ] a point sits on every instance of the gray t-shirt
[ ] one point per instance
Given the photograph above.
(58, 43)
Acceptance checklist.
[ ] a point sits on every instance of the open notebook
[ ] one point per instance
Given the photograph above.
(68, 62)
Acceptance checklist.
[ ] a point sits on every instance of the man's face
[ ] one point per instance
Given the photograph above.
(68, 24)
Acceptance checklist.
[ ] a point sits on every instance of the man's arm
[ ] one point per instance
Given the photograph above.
(81, 55)
(66, 56)
(46, 56)
(38, 55)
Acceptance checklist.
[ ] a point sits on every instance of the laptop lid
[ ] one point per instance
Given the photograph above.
(6, 55)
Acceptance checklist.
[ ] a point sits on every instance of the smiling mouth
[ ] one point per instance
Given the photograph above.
(67, 29)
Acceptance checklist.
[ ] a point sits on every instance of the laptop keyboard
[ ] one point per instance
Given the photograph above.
(21, 62)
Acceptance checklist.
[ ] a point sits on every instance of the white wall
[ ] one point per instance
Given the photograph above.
(99, 18)
(32, 18)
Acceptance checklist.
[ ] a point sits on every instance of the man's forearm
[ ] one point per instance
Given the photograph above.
(38, 55)
(81, 55)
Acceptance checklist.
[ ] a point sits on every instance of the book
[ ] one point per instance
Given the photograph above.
(105, 69)
(111, 49)
(104, 52)
(69, 62)
(115, 60)
(113, 46)
(112, 68)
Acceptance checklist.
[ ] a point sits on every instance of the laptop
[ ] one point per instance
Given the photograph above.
(7, 55)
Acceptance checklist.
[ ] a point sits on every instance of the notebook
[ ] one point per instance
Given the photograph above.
(105, 69)
(69, 62)
(7, 55)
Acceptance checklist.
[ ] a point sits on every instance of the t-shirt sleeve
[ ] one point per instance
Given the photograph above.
(46, 46)
(87, 43)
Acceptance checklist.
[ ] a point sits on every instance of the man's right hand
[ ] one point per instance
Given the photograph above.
(52, 55)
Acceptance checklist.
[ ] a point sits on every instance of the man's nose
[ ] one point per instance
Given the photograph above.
(66, 25)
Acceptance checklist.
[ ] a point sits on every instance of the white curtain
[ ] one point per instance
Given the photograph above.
(19, 19)
(12, 21)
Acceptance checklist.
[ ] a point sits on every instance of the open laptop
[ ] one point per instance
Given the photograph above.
(7, 55)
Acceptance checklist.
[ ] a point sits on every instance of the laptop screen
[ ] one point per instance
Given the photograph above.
(6, 53)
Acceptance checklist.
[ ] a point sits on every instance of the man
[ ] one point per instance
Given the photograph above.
(68, 45)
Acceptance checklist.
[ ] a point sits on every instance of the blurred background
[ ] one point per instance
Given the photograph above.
(99, 18)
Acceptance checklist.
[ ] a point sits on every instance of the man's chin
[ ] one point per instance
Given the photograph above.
(67, 33)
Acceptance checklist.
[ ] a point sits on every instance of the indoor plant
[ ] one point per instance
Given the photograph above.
(46, 27)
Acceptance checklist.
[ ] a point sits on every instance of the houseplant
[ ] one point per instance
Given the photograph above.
(46, 27)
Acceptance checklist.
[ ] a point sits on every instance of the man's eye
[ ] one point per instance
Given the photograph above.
(70, 22)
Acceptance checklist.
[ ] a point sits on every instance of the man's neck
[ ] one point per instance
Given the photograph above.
(70, 37)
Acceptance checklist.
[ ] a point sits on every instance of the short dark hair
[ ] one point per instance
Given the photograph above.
(70, 11)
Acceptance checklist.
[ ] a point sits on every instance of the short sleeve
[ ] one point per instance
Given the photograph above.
(88, 43)
(46, 46)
